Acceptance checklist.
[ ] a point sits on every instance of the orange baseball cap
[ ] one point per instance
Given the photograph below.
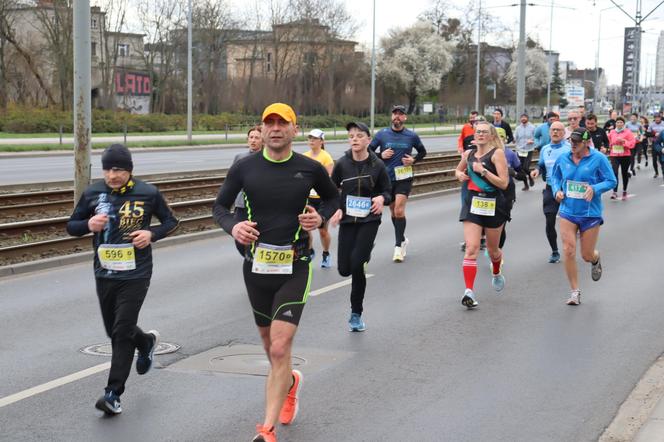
(283, 110)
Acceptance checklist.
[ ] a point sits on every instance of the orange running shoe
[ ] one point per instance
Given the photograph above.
(265, 434)
(291, 404)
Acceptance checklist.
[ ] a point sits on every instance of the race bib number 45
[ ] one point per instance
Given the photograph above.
(118, 257)
(358, 206)
(403, 172)
(576, 189)
(271, 259)
(483, 206)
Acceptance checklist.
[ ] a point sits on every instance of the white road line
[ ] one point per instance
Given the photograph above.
(334, 286)
(8, 400)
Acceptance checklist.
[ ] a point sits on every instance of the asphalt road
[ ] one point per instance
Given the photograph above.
(23, 169)
(522, 367)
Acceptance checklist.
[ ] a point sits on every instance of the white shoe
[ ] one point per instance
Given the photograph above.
(404, 244)
(574, 298)
(398, 255)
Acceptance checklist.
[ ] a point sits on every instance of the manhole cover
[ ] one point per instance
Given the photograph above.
(105, 349)
(247, 362)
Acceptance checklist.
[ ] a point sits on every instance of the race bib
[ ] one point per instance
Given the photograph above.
(118, 257)
(618, 149)
(273, 260)
(483, 206)
(403, 172)
(522, 153)
(358, 206)
(576, 189)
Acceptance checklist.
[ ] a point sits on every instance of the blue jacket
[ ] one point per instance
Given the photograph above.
(548, 156)
(594, 170)
(402, 142)
(542, 137)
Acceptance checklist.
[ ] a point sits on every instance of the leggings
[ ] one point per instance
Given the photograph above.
(623, 163)
(642, 149)
(657, 159)
(551, 234)
(356, 240)
(632, 156)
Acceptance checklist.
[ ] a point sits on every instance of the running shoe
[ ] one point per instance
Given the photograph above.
(655, 175)
(109, 403)
(624, 196)
(398, 256)
(145, 359)
(614, 195)
(646, 163)
(469, 299)
(498, 280)
(265, 434)
(596, 269)
(554, 258)
(404, 245)
(463, 246)
(326, 262)
(355, 323)
(574, 298)
(292, 403)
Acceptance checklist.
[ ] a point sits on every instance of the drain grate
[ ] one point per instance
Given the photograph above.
(106, 350)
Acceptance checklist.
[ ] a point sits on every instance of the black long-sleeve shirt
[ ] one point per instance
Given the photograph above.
(508, 130)
(276, 193)
(129, 210)
(366, 178)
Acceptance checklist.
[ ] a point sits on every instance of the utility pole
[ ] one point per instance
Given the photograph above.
(521, 63)
(550, 57)
(477, 68)
(189, 80)
(82, 97)
(373, 70)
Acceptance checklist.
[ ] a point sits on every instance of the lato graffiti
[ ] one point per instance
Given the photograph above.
(133, 83)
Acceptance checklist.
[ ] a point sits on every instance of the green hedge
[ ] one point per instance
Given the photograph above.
(21, 120)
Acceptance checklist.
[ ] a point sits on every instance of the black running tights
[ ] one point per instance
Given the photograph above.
(355, 243)
(551, 234)
(623, 163)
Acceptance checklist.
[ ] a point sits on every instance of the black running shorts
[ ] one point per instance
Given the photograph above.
(278, 297)
(401, 187)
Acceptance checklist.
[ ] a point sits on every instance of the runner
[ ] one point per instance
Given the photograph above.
(550, 206)
(395, 145)
(622, 142)
(118, 210)
(277, 267)
(499, 122)
(646, 140)
(635, 127)
(573, 119)
(365, 188)
(542, 137)
(485, 207)
(610, 124)
(255, 143)
(467, 130)
(657, 127)
(525, 144)
(578, 181)
(582, 115)
(317, 152)
(600, 140)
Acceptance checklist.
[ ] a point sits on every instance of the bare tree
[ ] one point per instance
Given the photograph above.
(114, 20)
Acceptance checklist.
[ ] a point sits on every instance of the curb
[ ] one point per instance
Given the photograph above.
(641, 417)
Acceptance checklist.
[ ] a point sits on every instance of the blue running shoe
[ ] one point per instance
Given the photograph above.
(498, 282)
(469, 299)
(355, 323)
(144, 359)
(326, 262)
(554, 258)
(109, 403)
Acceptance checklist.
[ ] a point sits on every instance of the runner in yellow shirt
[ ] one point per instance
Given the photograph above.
(318, 153)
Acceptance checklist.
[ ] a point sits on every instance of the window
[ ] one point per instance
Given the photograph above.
(93, 23)
(94, 49)
(269, 62)
(123, 50)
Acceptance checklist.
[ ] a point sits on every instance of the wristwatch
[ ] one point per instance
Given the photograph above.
(483, 173)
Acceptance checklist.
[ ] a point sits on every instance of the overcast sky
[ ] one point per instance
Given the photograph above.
(574, 30)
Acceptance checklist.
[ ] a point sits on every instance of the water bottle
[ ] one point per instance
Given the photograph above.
(104, 208)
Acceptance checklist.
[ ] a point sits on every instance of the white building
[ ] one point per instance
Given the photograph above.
(659, 62)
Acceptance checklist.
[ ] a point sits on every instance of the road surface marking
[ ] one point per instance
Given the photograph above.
(334, 286)
(8, 400)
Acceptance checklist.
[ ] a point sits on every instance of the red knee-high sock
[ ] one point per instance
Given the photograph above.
(469, 272)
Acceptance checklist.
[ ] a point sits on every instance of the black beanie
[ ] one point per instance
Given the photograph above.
(117, 155)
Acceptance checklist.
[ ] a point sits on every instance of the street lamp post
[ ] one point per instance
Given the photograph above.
(596, 90)
(477, 68)
(189, 79)
(373, 69)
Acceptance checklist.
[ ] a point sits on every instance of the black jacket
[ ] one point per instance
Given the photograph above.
(366, 178)
(131, 209)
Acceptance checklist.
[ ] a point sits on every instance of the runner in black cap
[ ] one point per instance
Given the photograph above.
(118, 211)
(395, 146)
